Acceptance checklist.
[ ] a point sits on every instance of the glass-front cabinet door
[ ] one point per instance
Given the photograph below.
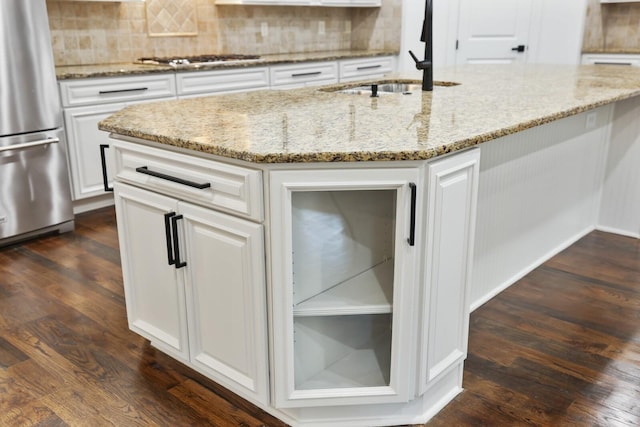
(344, 254)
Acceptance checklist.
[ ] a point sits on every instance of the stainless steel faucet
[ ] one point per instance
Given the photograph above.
(426, 65)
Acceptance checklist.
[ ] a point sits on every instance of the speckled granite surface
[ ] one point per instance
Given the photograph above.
(312, 125)
(114, 70)
(626, 51)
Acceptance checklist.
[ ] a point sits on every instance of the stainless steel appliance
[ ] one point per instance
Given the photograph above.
(34, 182)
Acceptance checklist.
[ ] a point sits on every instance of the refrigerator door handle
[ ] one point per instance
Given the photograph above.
(30, 144)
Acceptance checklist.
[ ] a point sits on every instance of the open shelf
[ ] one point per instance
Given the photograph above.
(370, 292)
(342, 352)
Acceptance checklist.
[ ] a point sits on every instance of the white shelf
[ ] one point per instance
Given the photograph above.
(370, 292)
(368, 367)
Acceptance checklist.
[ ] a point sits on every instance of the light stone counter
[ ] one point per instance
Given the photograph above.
(313, 125)
(131, 68)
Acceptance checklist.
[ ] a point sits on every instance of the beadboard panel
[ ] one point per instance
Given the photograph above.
(620, 211)
(539, 191)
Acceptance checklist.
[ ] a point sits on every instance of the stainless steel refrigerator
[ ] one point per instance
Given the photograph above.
(34, 182)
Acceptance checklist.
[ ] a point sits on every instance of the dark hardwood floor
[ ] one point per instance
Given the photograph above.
(559, 348)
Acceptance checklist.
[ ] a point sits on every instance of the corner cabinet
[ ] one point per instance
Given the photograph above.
(194, 275)
(344, 272)
(326, 294)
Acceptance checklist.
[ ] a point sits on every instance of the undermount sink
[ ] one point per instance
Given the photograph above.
(385, 88)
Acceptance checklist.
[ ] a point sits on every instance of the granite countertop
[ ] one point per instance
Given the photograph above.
(313, 125)
(129, 69)
(609, 51)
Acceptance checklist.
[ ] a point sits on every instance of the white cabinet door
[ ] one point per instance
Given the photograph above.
(154, 296)
(344, 251)
(84, 139)
(226, 299)
(451, 206)
(203, 303)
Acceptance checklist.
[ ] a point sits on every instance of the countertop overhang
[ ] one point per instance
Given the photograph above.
(316, 125)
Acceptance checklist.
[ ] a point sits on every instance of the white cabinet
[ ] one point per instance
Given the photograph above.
(155, 299)
(88, 101)
(202, 83)
(329, 3)
(610, 59)
(345, 251)
(450, 214)
(364, 274)
(304, 74)
(365, 68)
(350, 3)
(194, 277)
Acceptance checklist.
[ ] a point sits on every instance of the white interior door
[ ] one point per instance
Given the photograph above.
(490, 30)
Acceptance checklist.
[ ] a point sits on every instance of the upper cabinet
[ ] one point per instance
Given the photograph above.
(327, 3)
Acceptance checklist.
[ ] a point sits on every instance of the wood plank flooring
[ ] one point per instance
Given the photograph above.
(559, 348)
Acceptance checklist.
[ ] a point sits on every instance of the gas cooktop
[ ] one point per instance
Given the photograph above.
(197, 60)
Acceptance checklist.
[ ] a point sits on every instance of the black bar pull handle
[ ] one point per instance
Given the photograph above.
(135, 89)
(176, 244)
(412, 226)
(368, 67)
(310, 73)
(145, 170)
(103, 159)
(167, 232)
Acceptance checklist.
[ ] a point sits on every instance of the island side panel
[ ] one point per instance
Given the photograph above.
(539, 191)
(620, 207)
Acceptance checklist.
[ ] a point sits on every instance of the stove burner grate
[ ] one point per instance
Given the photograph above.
(182, 61)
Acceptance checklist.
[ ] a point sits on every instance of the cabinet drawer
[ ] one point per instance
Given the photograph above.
(209, 183)
(116, 89)
(304, 74)
(354, 69)
(611, 59)
(201, 83)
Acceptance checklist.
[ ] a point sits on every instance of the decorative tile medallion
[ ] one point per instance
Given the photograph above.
(171, 18)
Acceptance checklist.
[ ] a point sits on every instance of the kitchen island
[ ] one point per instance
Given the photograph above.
(313, 250)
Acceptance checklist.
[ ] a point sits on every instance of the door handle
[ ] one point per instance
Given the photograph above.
(103, 159)
(176, 244)
(167, 232)
(30, 144)
(200, 186)
(412, 224)
(520, 48)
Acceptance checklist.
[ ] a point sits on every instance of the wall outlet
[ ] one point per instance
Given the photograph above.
(321, 28)
(592, 120)
(264, 29)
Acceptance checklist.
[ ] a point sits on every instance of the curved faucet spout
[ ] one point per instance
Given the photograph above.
(426, 65)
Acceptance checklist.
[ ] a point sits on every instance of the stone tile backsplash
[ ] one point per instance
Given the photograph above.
(612, 27)
(112, 32)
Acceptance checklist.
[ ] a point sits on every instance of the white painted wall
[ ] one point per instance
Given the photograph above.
(445, 28)
(556, 38)
(556, 32)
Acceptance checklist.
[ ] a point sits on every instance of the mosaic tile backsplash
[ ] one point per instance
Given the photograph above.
(612, 27)
(111, 32)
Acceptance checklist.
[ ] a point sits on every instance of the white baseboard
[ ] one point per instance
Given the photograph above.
(528, 269)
